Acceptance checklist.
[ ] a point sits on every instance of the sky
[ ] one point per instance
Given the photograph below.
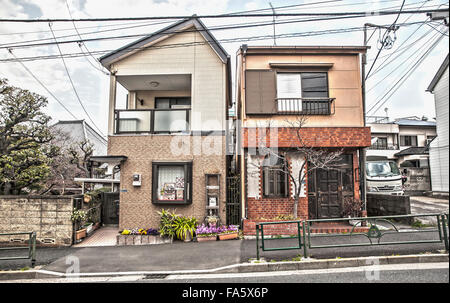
(92, 83)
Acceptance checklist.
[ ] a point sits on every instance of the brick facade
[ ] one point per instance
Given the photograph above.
(136, 208)
(311, 136)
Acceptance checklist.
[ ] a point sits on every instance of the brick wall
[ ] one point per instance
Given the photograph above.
(48, 216)
(311, 137)
(136, 208)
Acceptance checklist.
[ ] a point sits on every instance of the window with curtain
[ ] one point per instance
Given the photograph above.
(172, 183)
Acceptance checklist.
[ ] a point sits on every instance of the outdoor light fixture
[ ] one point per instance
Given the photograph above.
(154, 84)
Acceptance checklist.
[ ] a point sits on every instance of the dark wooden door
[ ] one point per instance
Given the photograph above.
(110, 208)
(329, 198)
(327, 188)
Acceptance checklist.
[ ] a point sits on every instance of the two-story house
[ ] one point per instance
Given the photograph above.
(275, 86)
(171, 135)
(404, 140)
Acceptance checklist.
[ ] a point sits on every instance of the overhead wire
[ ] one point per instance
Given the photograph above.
(401, 80)
(73, 85)
(45, 87)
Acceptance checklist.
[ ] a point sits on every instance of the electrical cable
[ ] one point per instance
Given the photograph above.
(42, 84)
(73, 86)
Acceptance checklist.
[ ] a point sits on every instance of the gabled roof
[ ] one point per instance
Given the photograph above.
(413, 151)
(166, 32)
(438, 75)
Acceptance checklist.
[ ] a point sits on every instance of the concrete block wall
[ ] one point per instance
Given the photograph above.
(48, 216)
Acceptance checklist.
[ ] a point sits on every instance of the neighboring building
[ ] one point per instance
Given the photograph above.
(280, 84)
(178, 83)
(79, 130)
(439, 150)
(73, 132)
(404, 140)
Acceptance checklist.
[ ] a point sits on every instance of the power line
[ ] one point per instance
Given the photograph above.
(239, 39)
(386, 41)
(42, 84)
(73, 86)
(363, 13)
(81, 43)
(236, 26)
(397, 85)
(426, 43)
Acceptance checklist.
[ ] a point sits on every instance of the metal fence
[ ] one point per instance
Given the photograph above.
(31, 247)
(368, 228)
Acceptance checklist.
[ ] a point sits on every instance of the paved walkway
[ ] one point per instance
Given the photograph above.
(105, 236)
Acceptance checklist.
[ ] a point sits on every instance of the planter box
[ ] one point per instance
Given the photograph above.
(210, 238)
(80, 234)
(141, 240)
(229, 236)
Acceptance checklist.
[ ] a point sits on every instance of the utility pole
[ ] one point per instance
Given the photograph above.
(437, 16)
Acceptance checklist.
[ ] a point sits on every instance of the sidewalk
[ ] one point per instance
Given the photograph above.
(212, 257)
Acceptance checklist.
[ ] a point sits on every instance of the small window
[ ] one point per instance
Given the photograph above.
(408, 140)
(167, 103)
(275, 177)
(172, 183)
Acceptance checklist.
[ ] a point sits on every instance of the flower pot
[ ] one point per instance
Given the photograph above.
(228, 236)
(188, 237)
(209, 238)
(89, 228)
(80, 234)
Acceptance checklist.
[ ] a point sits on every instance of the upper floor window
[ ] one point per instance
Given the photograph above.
(408, 140)
(172, 103)
(302, 85)
(303, 92)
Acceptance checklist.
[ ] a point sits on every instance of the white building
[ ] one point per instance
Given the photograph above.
(439, 151)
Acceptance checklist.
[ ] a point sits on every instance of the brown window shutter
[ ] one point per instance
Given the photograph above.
(260, 92)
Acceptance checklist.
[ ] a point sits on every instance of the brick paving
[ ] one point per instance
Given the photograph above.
(105, 236)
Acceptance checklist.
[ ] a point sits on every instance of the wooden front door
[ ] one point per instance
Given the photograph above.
(327, 189)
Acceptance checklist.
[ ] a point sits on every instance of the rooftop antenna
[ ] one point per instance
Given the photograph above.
(273, 11)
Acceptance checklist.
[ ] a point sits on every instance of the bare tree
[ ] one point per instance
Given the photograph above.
(313, 157)
(71, 162)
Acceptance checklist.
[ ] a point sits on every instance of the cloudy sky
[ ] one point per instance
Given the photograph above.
(91, 83)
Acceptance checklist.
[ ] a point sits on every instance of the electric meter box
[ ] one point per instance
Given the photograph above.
(137, 179)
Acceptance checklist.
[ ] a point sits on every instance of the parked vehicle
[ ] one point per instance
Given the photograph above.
(383, 176)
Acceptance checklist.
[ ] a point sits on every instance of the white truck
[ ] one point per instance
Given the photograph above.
(383, 176)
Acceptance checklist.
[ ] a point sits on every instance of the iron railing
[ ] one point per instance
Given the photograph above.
(299, 236)
(373, 233)
(306, 106)
(31, 247)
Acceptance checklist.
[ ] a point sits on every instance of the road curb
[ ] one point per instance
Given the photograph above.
(263, 266)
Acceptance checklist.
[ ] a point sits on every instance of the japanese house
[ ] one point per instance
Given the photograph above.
(169, 141)
(276, 85)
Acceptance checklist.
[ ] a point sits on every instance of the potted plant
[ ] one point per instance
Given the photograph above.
(212, 220)
(166, 223)
(206, 233)
(79, 216)
(228, 232)
(185, 228)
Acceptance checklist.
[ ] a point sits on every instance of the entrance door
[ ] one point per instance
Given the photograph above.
(329, 202)
(327, 189)
(110, 208)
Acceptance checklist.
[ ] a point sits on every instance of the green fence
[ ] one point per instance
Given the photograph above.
(374, 235)
(368, 228)
(31, 247)
(300, 235)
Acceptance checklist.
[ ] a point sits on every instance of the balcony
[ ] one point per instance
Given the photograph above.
(383, 146)
(305, 106)
(152, 121)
